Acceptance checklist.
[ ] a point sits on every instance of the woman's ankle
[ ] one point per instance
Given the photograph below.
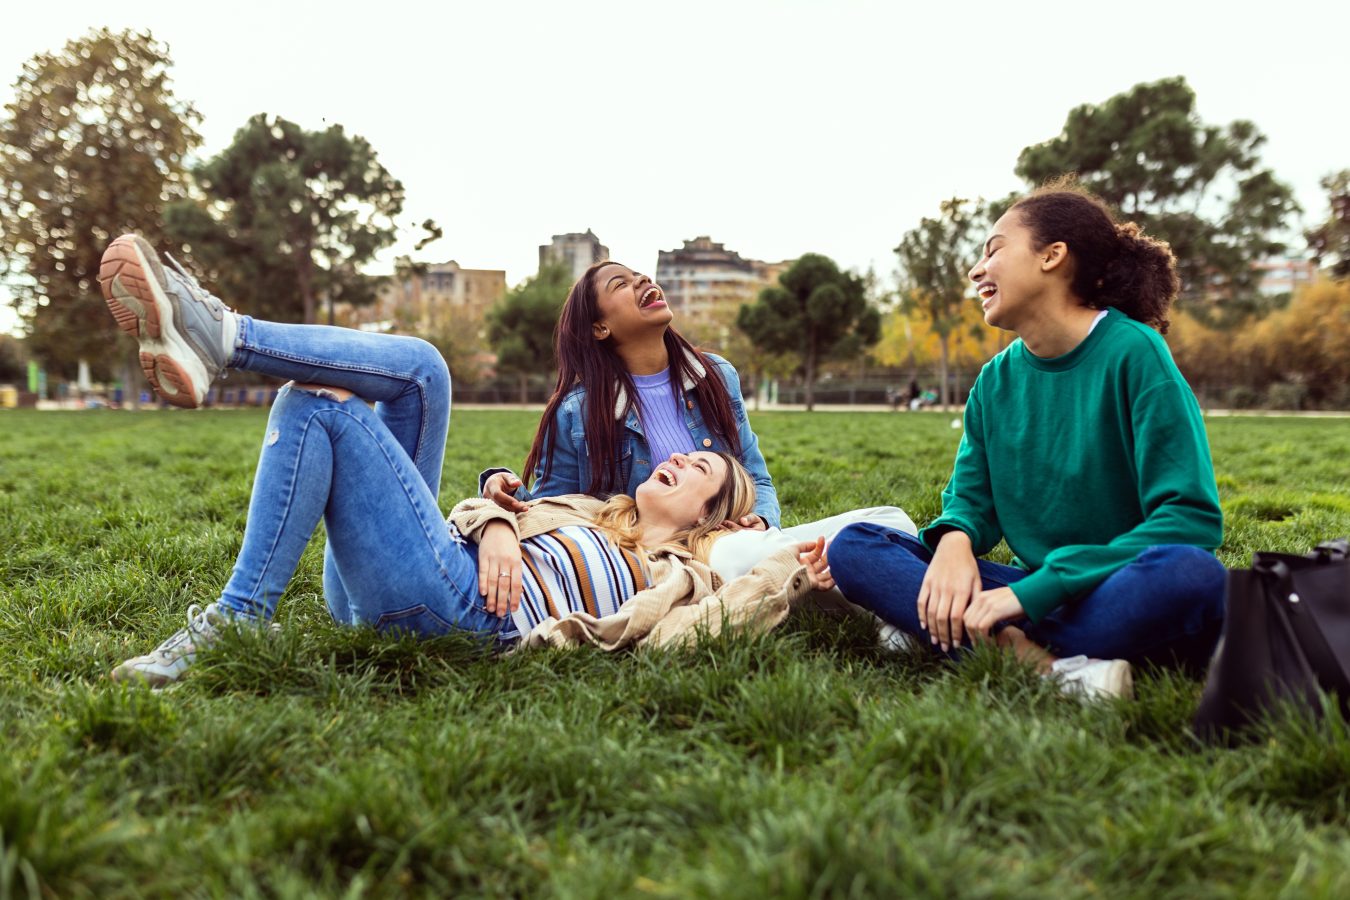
(1025, 649)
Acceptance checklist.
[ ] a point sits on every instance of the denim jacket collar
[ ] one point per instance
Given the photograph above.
(621, 397)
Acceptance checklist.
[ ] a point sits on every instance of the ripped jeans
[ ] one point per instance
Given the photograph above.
(372, 475)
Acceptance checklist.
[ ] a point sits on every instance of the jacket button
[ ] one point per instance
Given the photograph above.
(689, 404)
(707, 442)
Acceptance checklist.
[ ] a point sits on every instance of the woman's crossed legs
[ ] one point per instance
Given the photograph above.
(1165, 607)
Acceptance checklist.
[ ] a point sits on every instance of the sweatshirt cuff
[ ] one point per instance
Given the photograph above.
(484, 475)
(1040, 593)
(940, 526)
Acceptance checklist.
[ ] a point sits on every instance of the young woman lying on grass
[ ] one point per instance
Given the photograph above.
(1084, 448)
(560, 570)
(631, 391)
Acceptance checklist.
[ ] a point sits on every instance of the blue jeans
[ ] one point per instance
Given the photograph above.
(372, 475)
(1165, 607)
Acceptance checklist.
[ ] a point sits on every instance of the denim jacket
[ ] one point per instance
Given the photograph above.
(571, 462)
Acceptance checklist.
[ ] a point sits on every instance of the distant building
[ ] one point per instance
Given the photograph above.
(1285, 274)
(703, 277)
(433, 297)
(578, 252)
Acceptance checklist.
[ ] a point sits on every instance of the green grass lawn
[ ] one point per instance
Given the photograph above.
(806, 763)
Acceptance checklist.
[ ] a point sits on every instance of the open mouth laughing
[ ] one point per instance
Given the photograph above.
(652, 296)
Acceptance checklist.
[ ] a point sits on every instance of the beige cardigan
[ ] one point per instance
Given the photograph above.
(686, 598)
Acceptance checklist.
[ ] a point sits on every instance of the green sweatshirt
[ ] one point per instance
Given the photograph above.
(1081, 462)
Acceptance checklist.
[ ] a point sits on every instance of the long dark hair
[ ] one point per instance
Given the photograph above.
(1114, 264)
(594, 365)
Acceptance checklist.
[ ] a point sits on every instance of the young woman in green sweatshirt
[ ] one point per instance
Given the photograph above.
(1084, 449)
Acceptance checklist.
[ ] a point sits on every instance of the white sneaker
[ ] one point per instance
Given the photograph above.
(895, 640)
(1093, 679)
(167, 662)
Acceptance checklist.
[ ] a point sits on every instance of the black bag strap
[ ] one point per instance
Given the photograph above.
(1278, 574)
(1331, 551)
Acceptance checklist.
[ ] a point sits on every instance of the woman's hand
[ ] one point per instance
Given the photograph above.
(988, 609)
(499, 569)
(500, 488)
(812, 555)
(952, 580)
(752, 522)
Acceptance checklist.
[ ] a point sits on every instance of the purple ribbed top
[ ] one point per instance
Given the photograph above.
(662, 422)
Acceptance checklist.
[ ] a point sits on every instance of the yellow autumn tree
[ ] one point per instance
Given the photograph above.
(908, 340)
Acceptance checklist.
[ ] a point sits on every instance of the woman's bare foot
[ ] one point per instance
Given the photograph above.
(1091, 679)
(1025, 649)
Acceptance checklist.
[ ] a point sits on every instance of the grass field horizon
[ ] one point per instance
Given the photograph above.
(325, 761)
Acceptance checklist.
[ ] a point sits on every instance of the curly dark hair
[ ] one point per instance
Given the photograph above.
(1115, 264)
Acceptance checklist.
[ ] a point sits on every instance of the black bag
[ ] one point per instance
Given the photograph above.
(1286, 637)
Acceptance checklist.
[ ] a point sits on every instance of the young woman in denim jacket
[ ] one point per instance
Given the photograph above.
(630, 391)
(606, 427)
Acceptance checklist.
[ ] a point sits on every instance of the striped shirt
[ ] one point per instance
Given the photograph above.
(662, 422)
(574, 569)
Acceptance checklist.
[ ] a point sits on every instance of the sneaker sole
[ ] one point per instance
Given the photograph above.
(127, 675)
(1120, 680)
(132, 281)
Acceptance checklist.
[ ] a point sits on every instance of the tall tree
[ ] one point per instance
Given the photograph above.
(1330, 241)
(935, 261)
(289, 218)
(93, 145)
(815, 312)
(13, 359)
(716, 331)
(1200, 187)
(521, 325)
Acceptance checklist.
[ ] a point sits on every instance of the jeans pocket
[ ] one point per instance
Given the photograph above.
(418, 620)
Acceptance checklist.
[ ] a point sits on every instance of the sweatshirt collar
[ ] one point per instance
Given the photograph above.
(698, 374)
(1075, 356)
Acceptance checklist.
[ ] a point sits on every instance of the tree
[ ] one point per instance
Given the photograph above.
(1330, 241)
(815, 312)
(1307, 344)
(93, 145)
(1199, 187)
(289, 218)
(521, 324)
(13, 359)
(909, 341)
(935, 259)
(716, 331)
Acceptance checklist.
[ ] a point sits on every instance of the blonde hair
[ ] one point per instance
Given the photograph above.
(734, 499)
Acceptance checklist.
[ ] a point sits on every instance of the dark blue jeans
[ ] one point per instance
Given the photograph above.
(1165, 607)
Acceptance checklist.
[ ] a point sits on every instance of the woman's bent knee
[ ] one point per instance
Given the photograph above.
(341, 395)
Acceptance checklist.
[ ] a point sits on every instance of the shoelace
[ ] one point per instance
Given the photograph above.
(198, 620)
(202, 295)
(1069, 664)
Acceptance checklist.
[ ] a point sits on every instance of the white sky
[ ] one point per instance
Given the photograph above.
(777, 128)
